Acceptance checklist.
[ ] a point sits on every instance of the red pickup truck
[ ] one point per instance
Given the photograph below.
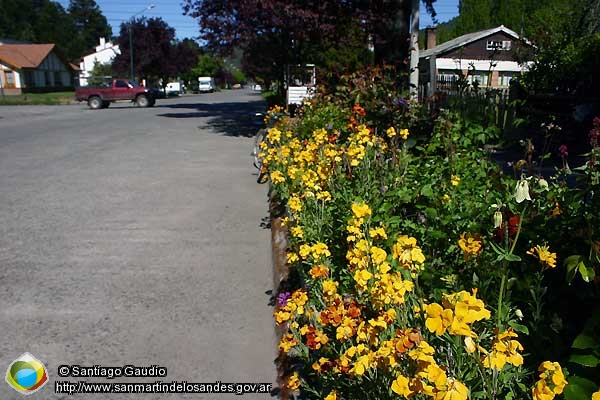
(118, 89)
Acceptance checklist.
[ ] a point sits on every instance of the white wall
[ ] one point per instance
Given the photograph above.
(105, 53)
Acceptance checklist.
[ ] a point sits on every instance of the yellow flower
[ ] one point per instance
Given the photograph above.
(277, 177)
(401, 386)
(296, 231)
(361, 277)
(455, 180)
(544, 255)
(469, 245)
(454, 390)
(324, 195)
(292, 258)
(404, 133)
(329, 287)
(408, 254)
(295, 204)
(360, 210)
(293, 382)
(504, 350)
(391, 132)
(287, 342)
(552, 381)
(332, 396)
(596, 395)
(319, 271)
(377, 233)
(378, 255)
(438, 319)
(273, 135)
(361, 365)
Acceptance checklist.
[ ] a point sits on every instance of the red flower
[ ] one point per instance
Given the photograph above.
(513, 226)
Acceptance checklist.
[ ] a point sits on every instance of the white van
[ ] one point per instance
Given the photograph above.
(174, 89)
(206, 84)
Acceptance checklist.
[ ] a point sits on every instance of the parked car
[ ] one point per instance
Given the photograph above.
(175, 89)
(157, 92)
(115, 90)
(206, 84)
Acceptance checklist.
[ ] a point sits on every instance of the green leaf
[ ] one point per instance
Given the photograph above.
(431, 213)
(587, 274)
(497, 249)
(519, 327)
(512, 257)
(427, 191)
(572, 264)
(584, 341)
(587, 360)
(579, 388)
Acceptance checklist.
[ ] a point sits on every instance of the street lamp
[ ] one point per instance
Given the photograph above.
(150, 7)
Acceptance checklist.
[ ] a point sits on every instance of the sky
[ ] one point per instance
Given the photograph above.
(118, 11)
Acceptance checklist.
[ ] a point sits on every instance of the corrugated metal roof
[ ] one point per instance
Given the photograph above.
(466, 39)
(25, 55)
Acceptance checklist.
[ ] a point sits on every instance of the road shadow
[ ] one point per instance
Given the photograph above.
(229, 119)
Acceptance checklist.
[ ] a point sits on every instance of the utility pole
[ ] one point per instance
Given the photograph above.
(414, 50)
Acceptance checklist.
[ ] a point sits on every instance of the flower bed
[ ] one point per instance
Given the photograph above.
(417, 269)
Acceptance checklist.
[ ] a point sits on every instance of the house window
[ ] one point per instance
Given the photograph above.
(481, 77)
(57, 79)
(9, 79)
(447, 75)
(493, 45)
(504, 78)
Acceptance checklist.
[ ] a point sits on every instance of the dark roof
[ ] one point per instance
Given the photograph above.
(466, 39)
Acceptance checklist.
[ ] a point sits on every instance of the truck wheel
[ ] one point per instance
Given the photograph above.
(95, 102)
(142, 101)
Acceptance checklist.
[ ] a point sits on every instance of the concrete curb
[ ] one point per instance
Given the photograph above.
(279, 244)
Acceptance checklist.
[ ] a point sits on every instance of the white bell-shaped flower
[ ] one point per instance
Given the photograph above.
(522, 191)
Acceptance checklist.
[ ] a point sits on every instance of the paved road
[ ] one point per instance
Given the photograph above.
(133, 236)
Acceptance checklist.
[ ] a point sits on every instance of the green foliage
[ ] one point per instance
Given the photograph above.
(207, 65)
(530, 245)
(75, 31)
(99, 73)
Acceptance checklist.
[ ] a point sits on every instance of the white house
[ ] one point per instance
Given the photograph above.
(492, 57)
(105, 53)
(31, 67)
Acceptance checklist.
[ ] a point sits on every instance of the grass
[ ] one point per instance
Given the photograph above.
(54, 98)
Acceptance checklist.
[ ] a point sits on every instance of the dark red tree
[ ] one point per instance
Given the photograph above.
(330, 33)
(156, 53)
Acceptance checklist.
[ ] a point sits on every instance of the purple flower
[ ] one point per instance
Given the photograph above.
(401, 102)
(563, 150)
(283, 298)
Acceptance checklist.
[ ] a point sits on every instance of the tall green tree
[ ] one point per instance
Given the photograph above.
(89, 23)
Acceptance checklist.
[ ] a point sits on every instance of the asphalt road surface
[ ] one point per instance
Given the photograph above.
(135, 236)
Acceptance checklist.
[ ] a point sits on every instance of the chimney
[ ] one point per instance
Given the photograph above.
(102, 42)
(430, 38)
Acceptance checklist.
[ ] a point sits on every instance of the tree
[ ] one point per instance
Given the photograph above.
(156, 53)
(89, 23)
(46, 21)
(99, 73)
(303, 31)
